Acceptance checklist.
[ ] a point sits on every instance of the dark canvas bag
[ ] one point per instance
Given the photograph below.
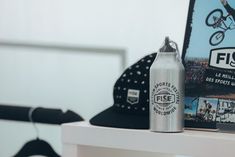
(209, 59)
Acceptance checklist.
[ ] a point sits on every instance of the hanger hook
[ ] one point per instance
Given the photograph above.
(31, 110)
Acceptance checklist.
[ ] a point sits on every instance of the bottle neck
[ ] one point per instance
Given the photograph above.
(167, 55)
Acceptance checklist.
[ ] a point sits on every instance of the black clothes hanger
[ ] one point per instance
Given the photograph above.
(37, 146)
(40, 115)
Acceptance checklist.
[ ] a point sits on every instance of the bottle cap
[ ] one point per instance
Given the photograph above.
(170, 46)
(167, 46)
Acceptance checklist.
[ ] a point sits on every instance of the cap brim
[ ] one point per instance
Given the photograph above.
(111, 118)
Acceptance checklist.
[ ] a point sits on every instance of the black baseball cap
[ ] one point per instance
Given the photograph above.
(131, 98)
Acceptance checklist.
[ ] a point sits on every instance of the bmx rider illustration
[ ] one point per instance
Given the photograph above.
(208, 107)
(228, 8)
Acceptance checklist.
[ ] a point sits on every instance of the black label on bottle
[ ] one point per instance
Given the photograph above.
(164, 98)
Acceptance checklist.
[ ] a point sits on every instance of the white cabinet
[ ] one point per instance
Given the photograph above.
(84, 140)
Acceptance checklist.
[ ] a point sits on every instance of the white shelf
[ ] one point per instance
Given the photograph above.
(189, 143)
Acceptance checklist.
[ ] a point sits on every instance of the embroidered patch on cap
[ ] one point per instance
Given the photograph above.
(133, 96)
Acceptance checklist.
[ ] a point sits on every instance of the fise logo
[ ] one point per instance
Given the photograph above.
(133, 96)
(223, 58)
(164, 98)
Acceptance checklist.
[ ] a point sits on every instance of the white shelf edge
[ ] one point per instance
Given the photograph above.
(191, 143)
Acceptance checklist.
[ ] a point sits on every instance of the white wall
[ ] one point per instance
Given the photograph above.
(68, 80)
(136, 26)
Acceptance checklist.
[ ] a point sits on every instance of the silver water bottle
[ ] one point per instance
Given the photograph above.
(166, 93)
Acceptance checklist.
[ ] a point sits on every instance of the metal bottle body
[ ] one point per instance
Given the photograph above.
(166, 93)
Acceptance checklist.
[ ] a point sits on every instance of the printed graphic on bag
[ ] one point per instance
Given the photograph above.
(209, 59)
(206, 110)
(226, 111)
(201, 109)
(190, 111)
